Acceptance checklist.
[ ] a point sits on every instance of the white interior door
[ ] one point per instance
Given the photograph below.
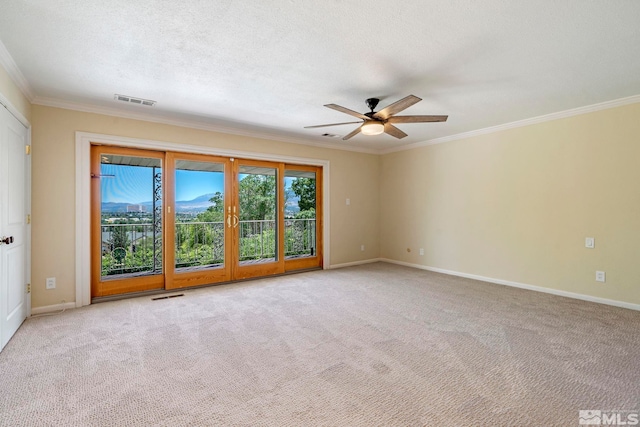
(14, 194)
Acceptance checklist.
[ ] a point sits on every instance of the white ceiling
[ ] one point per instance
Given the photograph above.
(269, 67)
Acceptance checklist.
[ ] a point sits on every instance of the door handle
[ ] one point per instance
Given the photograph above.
(6, 240)
(229, 221)
(235, 218)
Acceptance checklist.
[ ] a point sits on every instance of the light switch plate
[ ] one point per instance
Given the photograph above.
(589, 242)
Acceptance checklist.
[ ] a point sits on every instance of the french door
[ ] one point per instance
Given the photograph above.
(167, 220)
(198, 232)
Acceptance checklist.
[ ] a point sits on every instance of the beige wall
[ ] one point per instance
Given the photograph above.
(514, 205)
(353, 175)
(517, 205)
(13, 94)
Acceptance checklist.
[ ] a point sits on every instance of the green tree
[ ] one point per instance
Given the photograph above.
(305, 189)
(306, 214)
(215, 212)
(119, 237)
(257, 197)
(119, 243)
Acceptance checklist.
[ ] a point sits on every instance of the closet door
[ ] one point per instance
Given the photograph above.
(14, 233)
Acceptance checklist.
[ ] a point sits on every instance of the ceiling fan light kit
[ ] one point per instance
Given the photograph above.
(372, 128)
(375, 123)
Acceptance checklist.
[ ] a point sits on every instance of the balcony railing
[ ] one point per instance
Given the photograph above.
(129, 248)
(199, 244)
(257, 240)
(299, 237)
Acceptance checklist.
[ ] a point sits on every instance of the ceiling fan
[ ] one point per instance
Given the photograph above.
(374, 123)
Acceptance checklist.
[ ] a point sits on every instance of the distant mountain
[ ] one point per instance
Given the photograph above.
(199, 204)
(115, 207)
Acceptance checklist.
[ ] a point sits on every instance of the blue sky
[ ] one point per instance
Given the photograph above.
(191, 184)
(133, 184)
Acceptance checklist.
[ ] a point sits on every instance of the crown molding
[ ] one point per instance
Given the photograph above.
(520, 123)
(6, 60)
(192, 124)
(4, 101)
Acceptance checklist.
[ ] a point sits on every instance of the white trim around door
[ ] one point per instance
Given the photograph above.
(83, 193)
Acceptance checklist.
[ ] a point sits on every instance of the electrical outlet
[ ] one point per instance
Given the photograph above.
(51, 282)
(362, 247)
(348, 202)
(600, 277)
(589, 242)
(421, 251)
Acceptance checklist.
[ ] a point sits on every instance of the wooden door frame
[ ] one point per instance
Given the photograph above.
(317, 261)
(99, 287)
(83, 193)
(175, 280)
(260, 269)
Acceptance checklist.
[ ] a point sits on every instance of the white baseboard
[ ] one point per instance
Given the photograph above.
(351, 264)
(52, 308)
(558, 292)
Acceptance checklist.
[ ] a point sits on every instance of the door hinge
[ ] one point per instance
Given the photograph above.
(28, 288)
(28, 219)
(27, 149)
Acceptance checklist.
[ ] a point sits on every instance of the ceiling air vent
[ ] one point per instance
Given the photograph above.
(132, 100)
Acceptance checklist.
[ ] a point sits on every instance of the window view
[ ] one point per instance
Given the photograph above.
(300, 214)
(199, 213)
(130, 216)
(218, 218)
(258, 199)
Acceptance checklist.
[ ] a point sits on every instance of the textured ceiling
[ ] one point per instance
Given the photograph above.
(269, 67)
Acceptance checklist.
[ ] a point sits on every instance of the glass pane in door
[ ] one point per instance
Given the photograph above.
(130, 216)
(300, 214)
(199, 213)
(257, 219)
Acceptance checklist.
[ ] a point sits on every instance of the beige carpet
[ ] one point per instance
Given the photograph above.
(375, 345)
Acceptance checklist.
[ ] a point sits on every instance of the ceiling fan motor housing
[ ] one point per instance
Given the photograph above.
(372, 103)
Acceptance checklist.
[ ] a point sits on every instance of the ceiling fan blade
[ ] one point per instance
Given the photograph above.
(393, 131)
(352, 134)
(396, 107)
(347, 111)
(416, 119)
(331, 124)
